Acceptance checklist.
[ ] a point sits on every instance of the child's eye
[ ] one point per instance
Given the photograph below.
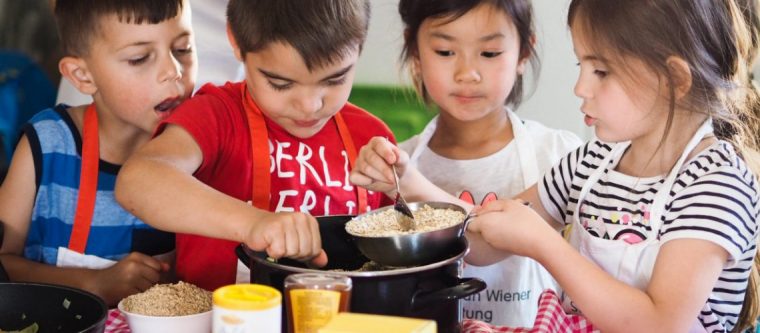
(444, 53)
(491, 54)
(138, 61)
(600, 73)
(336, 82)
(279, 87)
(183, 51)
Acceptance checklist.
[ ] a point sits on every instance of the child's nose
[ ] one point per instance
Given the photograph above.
(171, 70)
(310, 103)
(466, 71)
(582, 89)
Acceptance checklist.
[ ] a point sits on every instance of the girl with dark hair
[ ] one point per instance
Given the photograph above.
(468, 59)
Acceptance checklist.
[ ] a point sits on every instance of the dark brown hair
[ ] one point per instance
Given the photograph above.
(78, 20)
(714, 39)
(322, 31)
(415, 12)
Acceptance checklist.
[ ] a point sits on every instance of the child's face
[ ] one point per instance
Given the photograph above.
(299, 100)
(142, 71)
(618, 106)
(469, 65)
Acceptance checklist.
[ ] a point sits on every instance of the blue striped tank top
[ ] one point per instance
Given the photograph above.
(56, 149)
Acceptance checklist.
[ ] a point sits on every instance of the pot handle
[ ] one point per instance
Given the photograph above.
(3, 275)
(240, 252)
(466, 287)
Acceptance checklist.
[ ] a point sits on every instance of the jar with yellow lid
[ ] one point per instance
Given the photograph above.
(247, 308)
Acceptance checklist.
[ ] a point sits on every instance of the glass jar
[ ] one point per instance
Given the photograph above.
(312, 299)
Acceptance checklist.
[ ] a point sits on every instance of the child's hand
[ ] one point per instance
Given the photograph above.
(511, 226)
(372, 169)
(292, 235)
(135, 273)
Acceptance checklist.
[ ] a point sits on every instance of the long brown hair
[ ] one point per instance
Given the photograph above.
(718, 40)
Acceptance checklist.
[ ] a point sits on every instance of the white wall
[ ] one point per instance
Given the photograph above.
(553, 102)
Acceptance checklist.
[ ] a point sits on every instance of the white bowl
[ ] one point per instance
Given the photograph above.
(195, 323)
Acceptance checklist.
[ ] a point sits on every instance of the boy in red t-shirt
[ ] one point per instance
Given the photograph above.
(283, 140)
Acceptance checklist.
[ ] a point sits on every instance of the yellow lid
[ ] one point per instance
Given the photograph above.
(247, 297)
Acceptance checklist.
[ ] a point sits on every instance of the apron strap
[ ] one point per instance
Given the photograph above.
(257, 129)
(88, 182)
(348, 142)
(526, 150)
(261, 180)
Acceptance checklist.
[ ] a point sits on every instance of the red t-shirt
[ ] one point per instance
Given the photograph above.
(307, 175)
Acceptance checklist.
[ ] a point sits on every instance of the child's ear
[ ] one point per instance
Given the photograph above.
(233, 43)
(75, 70)
(680, 73)
(525, 54)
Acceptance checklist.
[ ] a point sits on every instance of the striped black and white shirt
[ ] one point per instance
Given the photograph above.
(715, 197)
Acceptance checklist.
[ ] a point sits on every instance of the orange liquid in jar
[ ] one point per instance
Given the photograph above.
(312, 299)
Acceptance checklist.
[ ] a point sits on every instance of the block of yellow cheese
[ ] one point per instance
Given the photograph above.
(366, 323)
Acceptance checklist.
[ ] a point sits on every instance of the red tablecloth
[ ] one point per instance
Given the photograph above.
(116, 322)
(551, 318)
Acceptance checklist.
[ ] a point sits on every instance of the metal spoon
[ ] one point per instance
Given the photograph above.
(406, 220)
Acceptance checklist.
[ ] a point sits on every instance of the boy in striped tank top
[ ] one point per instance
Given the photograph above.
(660, 212)
(62, 224)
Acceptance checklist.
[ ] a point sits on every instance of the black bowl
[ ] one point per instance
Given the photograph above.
(53, 308)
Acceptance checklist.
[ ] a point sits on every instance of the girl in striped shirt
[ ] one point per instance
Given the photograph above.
(659, 213)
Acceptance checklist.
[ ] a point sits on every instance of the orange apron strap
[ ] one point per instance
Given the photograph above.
(348, 142)
(261, 181)
(88, 182)
(257, 128)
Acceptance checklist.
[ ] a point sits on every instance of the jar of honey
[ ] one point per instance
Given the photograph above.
(312, 299)
(247, 308)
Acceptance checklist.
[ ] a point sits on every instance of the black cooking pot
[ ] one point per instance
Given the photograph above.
(53, 308)
(429, 292)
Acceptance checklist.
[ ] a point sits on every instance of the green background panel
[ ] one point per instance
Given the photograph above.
(397, 106)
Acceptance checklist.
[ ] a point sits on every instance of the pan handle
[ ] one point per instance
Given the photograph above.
(3, 275)
(471, 215)
(465, 287)
(240, 252)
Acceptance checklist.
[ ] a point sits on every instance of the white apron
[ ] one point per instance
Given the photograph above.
(515, 283)
(69, 258)
(630, 263)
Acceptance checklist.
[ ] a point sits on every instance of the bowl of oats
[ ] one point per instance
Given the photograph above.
(439, 226)
(179, 307)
